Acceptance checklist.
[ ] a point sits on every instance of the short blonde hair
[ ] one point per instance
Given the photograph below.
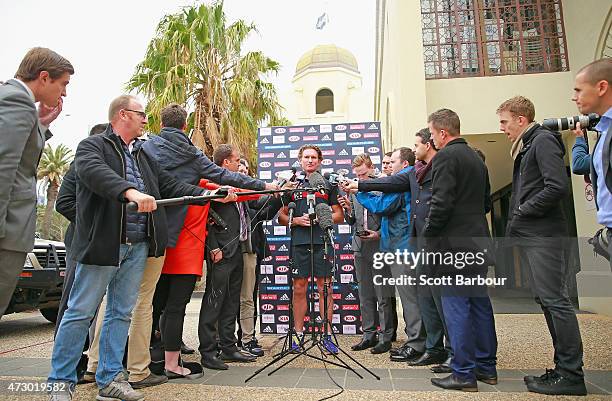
(122, 102)
(363, 158)
(518, 106)
(446, 119)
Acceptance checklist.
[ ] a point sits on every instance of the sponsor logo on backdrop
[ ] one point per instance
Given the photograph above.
(265, 131)
(266, 269)
(293, 153)
(281, 164)
(336, 306)
(328, 152)
(282, 328)
(265, 164)
(266, 231)
(336, 246)
(281, 155)
(278, 139)
(357, 126)
(293, 138)
(267, 318)
(280, 230)
(325, 128)
(350, 307)
(340, 136)
(346, 278)
(296, 129)
(311, 130)
(285, 297)
(347, 268)
(282, 307)
(310, 138)
(350, 297)
(373, 126)
(347, 318)
(373, 149)
(371, 135)
(282, 269)
(343, 152)
(266, 155)
(336, 296)
(375, 159)
(357, 150)
(327, 162)
(283, 248)
(340, 127)
(266, 280)
(265, 175)
(343, 171)
(283, 318)
(267, 329)
(268, 297)
(282, 258)
(349, 329)
(336, 318)
(280, 130)
(326, 138)
(347, 247)
(267, 307)
(296, 163)
(280, 279)
(355, 135)
(347, 257)
(344, 161)
(264, 140)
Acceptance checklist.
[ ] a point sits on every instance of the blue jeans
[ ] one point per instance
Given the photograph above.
(121, 284)
(471, 328)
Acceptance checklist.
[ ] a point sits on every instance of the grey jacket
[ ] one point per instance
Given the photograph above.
(178, 156)
(360, 247)
(22, 140)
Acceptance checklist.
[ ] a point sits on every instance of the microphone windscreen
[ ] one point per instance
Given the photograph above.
(291, 205)
(316, 180)
(324, 215)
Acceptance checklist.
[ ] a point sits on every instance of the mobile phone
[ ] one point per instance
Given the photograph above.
(362, 233)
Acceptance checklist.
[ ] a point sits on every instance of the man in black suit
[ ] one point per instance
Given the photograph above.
(224, 268)
(457, 224)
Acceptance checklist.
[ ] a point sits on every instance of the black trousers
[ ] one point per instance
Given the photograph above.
(548, 274)
(172, 294)
(220, 305)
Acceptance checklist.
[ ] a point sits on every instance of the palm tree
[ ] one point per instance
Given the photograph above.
(195, 59)
(53, 166)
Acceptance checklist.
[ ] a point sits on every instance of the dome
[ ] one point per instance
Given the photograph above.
(327, 56)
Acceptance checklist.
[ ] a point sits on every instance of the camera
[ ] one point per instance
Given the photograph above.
(587, 122)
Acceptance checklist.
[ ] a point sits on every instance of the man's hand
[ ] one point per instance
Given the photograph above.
(345, 202)
(46, 114)
(289, 185)
(272, 186)
(146, 203)
(578, 131)
(349, 186)
(372, 235)
(303, 221)
(216, 255)
(231, 196)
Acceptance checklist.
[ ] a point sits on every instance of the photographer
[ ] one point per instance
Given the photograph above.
(537, 224)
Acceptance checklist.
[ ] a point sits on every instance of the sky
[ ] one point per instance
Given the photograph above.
(105, 40)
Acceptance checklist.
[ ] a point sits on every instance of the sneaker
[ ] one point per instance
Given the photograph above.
(297, 342)
(64, 394)
(119, 389)
(555, 384)
(149, 381)
(253, 348)
(329, 345)
(542, 377)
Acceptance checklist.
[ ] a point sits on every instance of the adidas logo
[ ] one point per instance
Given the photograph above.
(265, 140)
(326, 138)
(285, 297)
(373, 126)
(267, 329)
(296, 164)
(266, 231)
(347, 247)
(350, 297)
(266, 280)
(312, 130)
(281, 155)
(283, 248)
(343, 152)
(335, 330)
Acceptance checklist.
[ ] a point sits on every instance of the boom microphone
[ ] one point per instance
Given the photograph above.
(324, 215)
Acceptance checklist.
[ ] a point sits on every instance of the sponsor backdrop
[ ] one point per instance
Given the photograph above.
(277, 149)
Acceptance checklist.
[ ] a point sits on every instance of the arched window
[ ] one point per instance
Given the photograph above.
(463, 38)
(324, 101)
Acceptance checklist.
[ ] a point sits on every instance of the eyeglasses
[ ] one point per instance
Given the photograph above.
(142, 114)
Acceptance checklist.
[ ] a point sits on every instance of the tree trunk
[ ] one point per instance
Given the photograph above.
(52, 191)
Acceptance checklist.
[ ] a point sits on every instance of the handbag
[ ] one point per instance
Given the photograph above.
(600, 243)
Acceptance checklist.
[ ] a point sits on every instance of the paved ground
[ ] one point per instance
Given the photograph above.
(524, 348)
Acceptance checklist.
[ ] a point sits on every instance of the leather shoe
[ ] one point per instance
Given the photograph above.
(555, 384)
(381, 348)
(408, 354)
(236, 356)
(363, 344)
(530, 378)
(186, 350)
(428, 359)
(452, 382)
(398, 350)
(488, 378)
(441, 368)
(212, 362)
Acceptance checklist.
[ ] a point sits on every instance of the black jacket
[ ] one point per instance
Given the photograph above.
(66, 203)
(227, 238)
(101, 205)
(262, 210)
(176, 154)
(460, 198)
(539, 184)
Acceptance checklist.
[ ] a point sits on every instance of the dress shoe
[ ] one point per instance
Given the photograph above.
(363, 344)
(236, 356)
(212, 362)
(488, 378)
(149, 381)
(398, 350)
(441, 368)
(381, 348)
(186, 350)
(428, 359)
(555, 384)
(452, 382)
(408, 354)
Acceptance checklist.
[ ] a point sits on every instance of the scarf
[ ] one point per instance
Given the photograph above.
(518, 144)
(421, 170)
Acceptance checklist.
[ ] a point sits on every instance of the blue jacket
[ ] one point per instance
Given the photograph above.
(177, 155)
(395, 211)
(581, 160)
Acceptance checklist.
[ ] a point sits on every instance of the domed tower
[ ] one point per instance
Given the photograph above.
(327, 88)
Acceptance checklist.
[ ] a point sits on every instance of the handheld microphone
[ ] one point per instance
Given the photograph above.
(283, 181)
(291, 207)
(317, 181)
(326, 222)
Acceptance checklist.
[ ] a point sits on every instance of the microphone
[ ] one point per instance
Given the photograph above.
(317, 181)
(326, 222)
(283, 181)
(291, 207)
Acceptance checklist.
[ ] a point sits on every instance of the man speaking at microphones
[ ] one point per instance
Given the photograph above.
(310, 158)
